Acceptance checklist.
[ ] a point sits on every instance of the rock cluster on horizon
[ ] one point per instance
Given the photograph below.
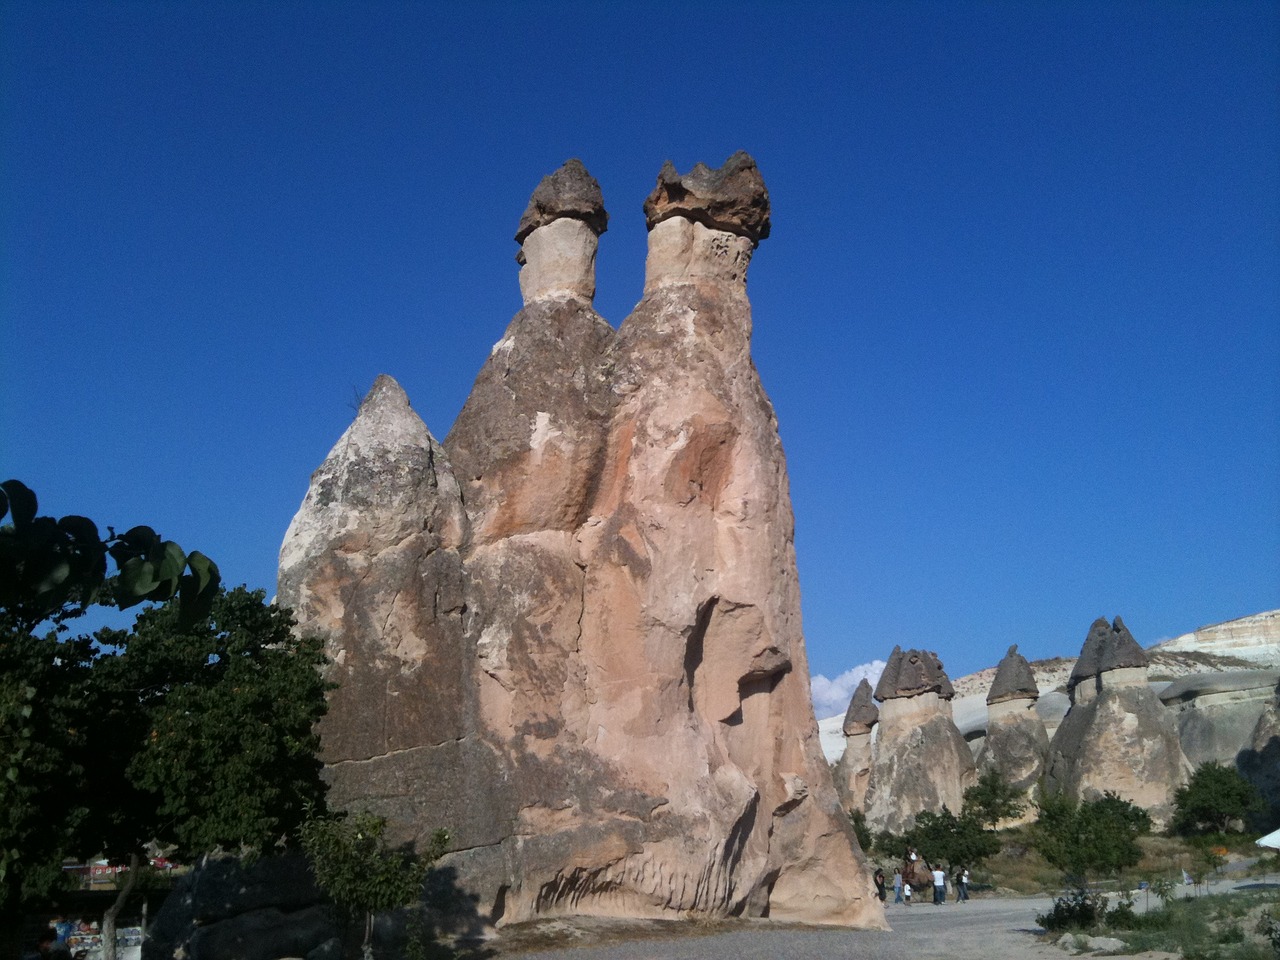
(570, 634)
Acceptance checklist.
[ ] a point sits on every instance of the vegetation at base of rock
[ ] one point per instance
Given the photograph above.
(194, 729)
(858, 820)
(992, 799)
(354, 865)
(1213, 800)
(1090, 839)
(943, 838)
(1237, 926)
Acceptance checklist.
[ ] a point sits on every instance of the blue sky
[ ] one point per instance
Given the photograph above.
(1019, 314)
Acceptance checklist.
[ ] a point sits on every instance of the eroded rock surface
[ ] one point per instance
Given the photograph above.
(584, 619)
(920, 760)
(853, 770)
(1016, 743)
(1120, 737)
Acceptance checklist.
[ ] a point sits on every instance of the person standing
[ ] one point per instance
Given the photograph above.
(879, 882)
(962, 884)
(906, 892)
(939, 885)
(897, 886)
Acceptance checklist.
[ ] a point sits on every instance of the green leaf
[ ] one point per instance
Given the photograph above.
(172, 562)
(137, 541)
(137, 581)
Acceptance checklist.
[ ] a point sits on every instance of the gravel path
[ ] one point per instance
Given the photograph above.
(987, 929)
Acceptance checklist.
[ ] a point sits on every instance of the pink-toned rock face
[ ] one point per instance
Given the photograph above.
(635, 734)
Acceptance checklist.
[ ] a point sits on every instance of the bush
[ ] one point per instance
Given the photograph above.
(1121, 916)
(1078, 910)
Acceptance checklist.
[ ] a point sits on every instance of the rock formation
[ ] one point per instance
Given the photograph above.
(1217, 713)
(224, 909)
(571, 634)
(1259, 762)
(1255, 638)
(1016, 743)
(1117, 735)
(853, 770)
(920, 760)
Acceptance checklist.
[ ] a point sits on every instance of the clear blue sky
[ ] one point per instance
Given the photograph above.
(1019, 315)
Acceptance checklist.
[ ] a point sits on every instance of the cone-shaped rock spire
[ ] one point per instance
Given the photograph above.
(862, 713)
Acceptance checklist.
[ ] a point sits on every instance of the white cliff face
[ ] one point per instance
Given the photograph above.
(1254, 638)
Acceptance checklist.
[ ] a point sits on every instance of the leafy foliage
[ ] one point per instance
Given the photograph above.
(956, 841)
(1216, 797)
(194, 729)
(353, 864)
(1096, 837)
(54, 570)
(1077, 910)
(992, 799)
(219, 716)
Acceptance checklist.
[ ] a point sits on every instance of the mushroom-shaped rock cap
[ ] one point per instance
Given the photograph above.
(862, 713)
(569, 192)
(732, 198)
(912, 673)
(1014, 680)
(1090, 658)
(1121, 650)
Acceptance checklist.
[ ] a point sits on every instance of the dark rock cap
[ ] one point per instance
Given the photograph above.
(1122, 650)
(733, 198)
(913, 673)
(569, 192)
(1109, 646)
(1014, 680)
(862, 713)
(1095, 644)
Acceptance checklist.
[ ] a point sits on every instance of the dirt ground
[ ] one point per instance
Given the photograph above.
(982, 929)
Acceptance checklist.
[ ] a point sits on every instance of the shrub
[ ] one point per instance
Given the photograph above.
(1078, 910)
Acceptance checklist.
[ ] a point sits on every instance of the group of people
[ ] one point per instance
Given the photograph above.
(902, 877)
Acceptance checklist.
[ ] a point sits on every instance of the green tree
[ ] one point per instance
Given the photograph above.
(203, 734)
(51, 572)
(945, 838)
(992, 799)
(195, 729)
(1216, 797)
(354, 865)
(1098, 837)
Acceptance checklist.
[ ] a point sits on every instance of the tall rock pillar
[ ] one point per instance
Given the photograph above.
(592, 599)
